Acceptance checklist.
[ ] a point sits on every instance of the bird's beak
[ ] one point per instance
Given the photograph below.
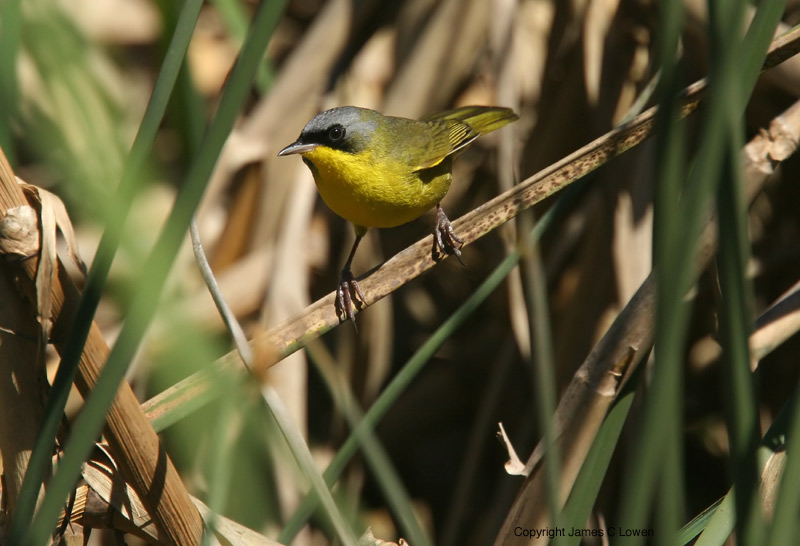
(297, 148)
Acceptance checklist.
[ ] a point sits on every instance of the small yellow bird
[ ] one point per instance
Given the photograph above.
(379, 171)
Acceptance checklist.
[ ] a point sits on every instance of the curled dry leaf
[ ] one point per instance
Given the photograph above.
(39, 236)
(514, 466)
(53, 207)
(19, 232)
(46, 270)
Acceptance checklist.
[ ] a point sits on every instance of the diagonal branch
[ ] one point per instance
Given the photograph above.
(408, 264)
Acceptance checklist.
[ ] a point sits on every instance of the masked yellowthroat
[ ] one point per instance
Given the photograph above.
(380, 171)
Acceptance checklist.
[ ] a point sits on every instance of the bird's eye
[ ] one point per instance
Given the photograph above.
(336, 132)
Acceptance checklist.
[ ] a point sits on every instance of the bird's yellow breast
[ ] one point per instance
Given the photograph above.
(372, 190)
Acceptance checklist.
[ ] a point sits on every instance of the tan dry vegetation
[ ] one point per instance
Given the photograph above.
(573, 71)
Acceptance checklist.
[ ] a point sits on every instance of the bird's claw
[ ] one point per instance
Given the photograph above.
(446, 241)
(348, 295)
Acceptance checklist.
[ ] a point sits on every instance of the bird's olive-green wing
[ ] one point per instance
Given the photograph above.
(456, 129)
(483, 119)
(444, 138)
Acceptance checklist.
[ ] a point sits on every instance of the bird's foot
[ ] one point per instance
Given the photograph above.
(445, 240)
(348, 295)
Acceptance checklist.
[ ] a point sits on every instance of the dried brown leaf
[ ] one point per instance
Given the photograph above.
(19, 231)
(514, 466)
(53, 217)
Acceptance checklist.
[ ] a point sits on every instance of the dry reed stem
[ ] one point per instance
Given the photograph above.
(22, 381)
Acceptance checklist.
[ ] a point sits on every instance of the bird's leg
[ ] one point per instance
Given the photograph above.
(348, 290)
(445, 239)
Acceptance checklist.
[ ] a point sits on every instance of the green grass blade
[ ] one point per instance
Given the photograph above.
(544, 381)
(587, 485)
(304, 459)
(188, 110)
(219, 479)
(732, 80)
(677, 223)
(735, 324)
(696, 526)
(720, 524)
(374, 453)
(736, 312)
(659, 446)
(234, 15)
